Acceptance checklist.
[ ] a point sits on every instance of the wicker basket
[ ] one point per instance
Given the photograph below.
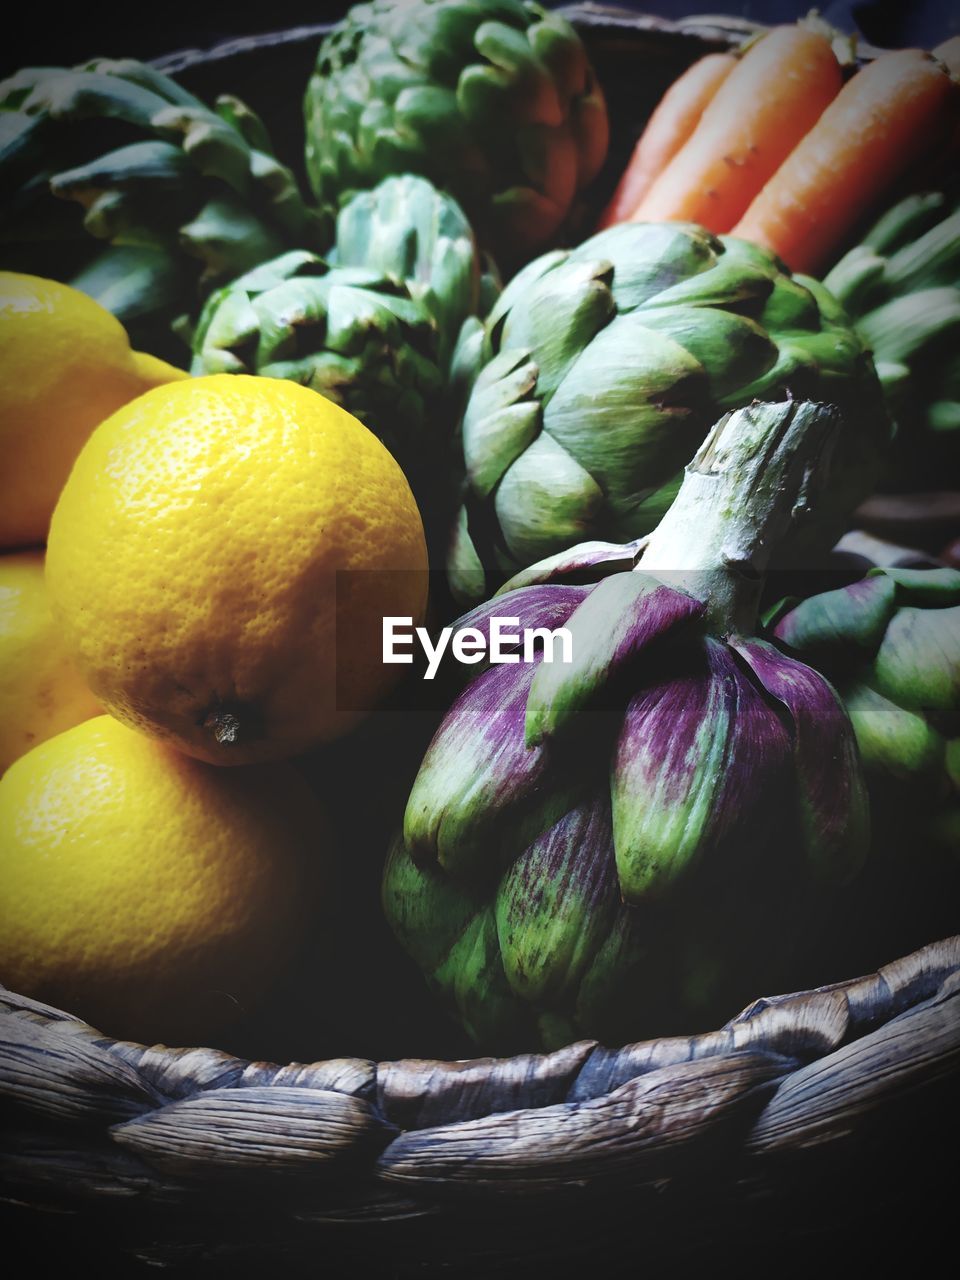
(804, 1127)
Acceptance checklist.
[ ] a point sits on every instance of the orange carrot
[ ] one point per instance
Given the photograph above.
(676, 116)
(949, 54)
(773, 96)
(888, 116)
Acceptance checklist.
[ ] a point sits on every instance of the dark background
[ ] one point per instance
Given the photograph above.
(126, 29)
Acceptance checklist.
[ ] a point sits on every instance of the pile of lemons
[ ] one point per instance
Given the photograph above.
(183, 559)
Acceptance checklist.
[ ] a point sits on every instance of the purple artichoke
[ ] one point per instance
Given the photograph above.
(588, 842)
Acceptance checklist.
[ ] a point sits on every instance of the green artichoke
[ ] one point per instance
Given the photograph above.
(186, 197)
(646, 827)
(358, 337)
(387, 328)
(901, 287)
(891, 643)
(605, 366)
(494, 100)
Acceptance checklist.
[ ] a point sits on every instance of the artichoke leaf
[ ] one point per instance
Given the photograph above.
(516, 81)
(501, 418)
(596, 559)
(492, 443)
(465, 571)
(544, 605)
(228, 239)
(521, 284)
(214, 148)
(293, 306)
(147, 77)
(473, 975)
(546, 501)
(842, 626)
(561, 318)
(154, 166)
(618, 620)
(247, 123)
(790, 308)
(480, 794)
(226, 338)
(625, 965)
(643, 514)
(918, 663)
(558, 49)
(523, 207)
(732, 349)
(625, 411)
(893, 741)
(23, 142)
(548, 161)
(80, 95)
(556, 905)
(834, 811)
(130, 280)
(650, 258)
(428, 911)
(353, 315)
(121, 217)
(933, 588)
(727, 283)
(428, 112)
(701, 763)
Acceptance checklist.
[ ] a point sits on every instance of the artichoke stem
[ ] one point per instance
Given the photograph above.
(760, 471)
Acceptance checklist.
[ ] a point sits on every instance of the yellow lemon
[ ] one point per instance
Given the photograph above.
(221, 559)
(150, 894)
(65, 365)
(40, 691)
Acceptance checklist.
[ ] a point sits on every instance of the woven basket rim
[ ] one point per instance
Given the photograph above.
(594, 20)
(788, 1071)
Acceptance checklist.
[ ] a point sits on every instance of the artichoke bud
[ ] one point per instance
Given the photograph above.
(152, 166)
(387, 327)
(494, 102)
(640, 337)
(351, 333)
(601, 799)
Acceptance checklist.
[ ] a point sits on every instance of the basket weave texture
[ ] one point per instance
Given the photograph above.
(788, 1072)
